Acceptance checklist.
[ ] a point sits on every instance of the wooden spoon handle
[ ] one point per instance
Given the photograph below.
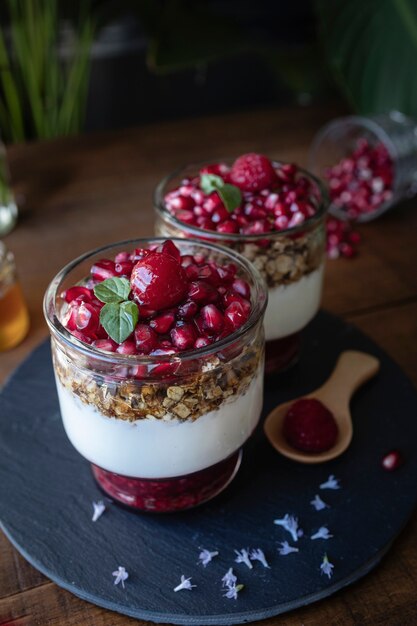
(351, 371)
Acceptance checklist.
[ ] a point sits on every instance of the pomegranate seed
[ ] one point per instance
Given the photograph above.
(145, 338)
(192, 272)
(202, 292)
(77, 292)
(198, 196)
(188, 217)
(202, 342)
(187, 260)
(228, 227)
(124, 268)
(183, 336)
(181, 203)
(103, 269)
(81, 336)
(122, 257)
(163, 323)
(87, 319)
(213, 320)
(108, 345)
(210, 274)
(241, 287)
(127, 347)
(187, 311)
(221, 214)
(236, 314)
(392, 460)
(231, 296)
(219, 169)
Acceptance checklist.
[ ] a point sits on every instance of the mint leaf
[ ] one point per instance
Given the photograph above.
(119, 319)
(211, 182)
(231, 196)
(112, 290)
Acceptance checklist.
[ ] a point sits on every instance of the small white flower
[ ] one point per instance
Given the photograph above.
(322, 533)
(242, 556)
(184, 584)
(258, 555)
(229, 579)
(286, 548)
(99, 508)
(318, 504)
(326, 567)
(331, 483)
(232, 592)
(206, 556)
(290, 524)
(120, 576)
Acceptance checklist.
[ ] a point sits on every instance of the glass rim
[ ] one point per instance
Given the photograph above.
(58, 329)
(160, 208)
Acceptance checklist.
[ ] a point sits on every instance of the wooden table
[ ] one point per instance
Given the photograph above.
(82, 192)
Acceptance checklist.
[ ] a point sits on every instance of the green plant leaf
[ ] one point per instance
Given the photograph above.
(231, 196)
(210, 182)
(371, 48)
(112, 290)
(119, 319)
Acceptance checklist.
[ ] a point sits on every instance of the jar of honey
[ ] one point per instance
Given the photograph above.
(14, 317)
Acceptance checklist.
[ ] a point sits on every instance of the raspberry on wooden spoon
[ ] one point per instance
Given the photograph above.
(158, 281)
(310, 426)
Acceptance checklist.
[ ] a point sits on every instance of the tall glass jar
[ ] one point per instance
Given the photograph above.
(163, 432)
(14, 317)
(336, 144)
(291, 262)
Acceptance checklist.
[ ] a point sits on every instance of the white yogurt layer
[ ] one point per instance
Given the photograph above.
(151, 448)
(291, 307)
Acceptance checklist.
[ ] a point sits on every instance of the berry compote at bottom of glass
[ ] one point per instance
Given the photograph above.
(169, 494)
(281, 354)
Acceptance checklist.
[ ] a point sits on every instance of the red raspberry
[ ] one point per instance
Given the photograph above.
(309, 426)
(252, 172)
(158, 281)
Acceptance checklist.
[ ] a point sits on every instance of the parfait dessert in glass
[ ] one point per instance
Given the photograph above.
(272, 213)
(158, 353)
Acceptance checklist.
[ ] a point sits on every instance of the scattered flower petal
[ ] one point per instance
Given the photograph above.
(99, 508)
(286, 548)
(290, 524)
(331, 483)
(318, 504)
(206, 556)
(243, 557)
(232, 592)
(229, 579)
(258, 555)
(184, 584)
(120, 576)
(326, 567)
(322, 533)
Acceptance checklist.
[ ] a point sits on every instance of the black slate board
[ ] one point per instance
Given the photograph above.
(46, 491)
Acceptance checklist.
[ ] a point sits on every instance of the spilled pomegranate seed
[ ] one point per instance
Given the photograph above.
(392, 460)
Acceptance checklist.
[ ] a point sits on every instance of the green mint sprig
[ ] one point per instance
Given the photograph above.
(230, 195)
(119, 315)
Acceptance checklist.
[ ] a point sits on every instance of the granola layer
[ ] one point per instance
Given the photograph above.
(185, 400)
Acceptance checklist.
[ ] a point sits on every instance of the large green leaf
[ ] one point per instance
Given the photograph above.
(371, 46)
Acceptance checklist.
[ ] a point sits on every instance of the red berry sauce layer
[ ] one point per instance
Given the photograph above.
(310, 426)
(362, 181)
(175, 302)
(270, 197)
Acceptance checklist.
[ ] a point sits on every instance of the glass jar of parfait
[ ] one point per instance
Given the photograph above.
(369, 164)
(158, 352)
(272, 213)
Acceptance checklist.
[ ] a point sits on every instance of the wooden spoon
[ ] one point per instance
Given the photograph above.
(351, 371)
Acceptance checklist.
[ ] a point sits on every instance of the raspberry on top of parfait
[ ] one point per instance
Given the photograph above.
(155, 301)
(252, 197)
